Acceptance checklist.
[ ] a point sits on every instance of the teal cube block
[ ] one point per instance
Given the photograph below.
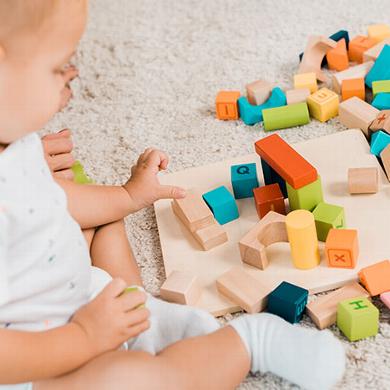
(379, 140)
(381, 101)
(288, 301)
(244, 180)
(307, 197)
(222, 204)
(381, 68)
(328, 216)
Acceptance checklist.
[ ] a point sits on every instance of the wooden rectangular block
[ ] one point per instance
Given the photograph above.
(226, 105)
(342, 248)
(300, 95)
(353, 87)
(352, 72)
(381, 122)
(376, 278)
(385, 157)
(338, 57)
(211, 236)
(286, 116)
(288, 163)
(258, 92)
(307, 197)
(363, 180)
(306, 80)
(323, 310)
(323, 104)
(269, 198)
(358, 46)
(378, 32)
(243, 289)
(373, 53)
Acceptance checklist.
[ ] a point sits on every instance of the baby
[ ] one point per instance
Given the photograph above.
(65, 324)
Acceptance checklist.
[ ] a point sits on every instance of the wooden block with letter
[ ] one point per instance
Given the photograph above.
(352, 72)
(342, 248)
(258, 92)
(226, 105)
(373, 53)
(381, 122)
(323, 104)
(358, 46)
(376, 277)
(299, 95)
(243, 289)
(363, 180)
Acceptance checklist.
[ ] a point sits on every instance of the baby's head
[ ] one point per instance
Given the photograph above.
(37, 39)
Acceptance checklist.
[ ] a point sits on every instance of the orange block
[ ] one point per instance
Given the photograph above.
(226, 105)
(269, 198)
(342, 248)
(338, 57)
(358, 46)
(376, 277)
(353, 87)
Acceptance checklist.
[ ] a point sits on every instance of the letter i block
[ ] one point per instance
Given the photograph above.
(342, 248)
(226, 105)
(328, 216)
(376, 278)
(288, 301)
(357, 318)
(269, 198)
(222, 204)
(244, 180)
(323, 104)
(306, 197)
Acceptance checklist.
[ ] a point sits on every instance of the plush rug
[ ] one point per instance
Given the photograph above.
(150, 70)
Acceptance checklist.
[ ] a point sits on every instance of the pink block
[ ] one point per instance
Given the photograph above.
(385, 298)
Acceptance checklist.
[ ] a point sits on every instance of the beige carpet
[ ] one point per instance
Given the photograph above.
(150, 70)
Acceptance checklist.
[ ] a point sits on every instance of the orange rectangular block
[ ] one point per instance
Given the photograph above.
(353, 87)
(286, 161)
(338, 57)
(342, 248)
(226, 105)
(269, 198)
(358, 46)
(376, 278)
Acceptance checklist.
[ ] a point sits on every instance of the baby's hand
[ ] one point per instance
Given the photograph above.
(112, 317)
(143, 187)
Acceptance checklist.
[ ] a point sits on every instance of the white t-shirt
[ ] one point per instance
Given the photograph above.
(45, 267)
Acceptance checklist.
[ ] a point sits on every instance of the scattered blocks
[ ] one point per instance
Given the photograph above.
(357, 318)
(328, 216)
(385, 298)
(300, 95)
(323, 310)
(363, 180)
(381, 122)
(288, 301)
(226, 105)
(286, 116)
(378, 32)
(243, 289)
(269, 198)
(79, 175)
(244, 180)
(338, 57)
(385, 157)
(271, 176)
(358, 46)
(222, 204)
(353, 87)
(211, 236)
(323, 104)
(258, 92)
(373, 53)
(301, 232)
(381, 101)
(307, 197)
(342, 248)
(181, 287)
(353, 72)
(271, 229)
(306, 80)
(379, 140)
(381, 69)
(380, 86)
(376, 278)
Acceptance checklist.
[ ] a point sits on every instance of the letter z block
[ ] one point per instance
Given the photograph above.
(376, 277)
(269, 198)
(306, 197)
(226, 105)
(244, 180)
(342, 248)
(323, 104)
(328, 216)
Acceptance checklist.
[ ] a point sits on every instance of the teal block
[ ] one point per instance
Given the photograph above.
(288, 301)
(244, 180)
(286, 116)
(328, 216)
(381, 68)
(381, 101)
(307, 197)
(222, 204)
(379, 140)
(357, 318)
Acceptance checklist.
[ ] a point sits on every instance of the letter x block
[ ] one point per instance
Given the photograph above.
(381, 122)
(328, 216)
(323, 104)
(244, 180)
(342, 248)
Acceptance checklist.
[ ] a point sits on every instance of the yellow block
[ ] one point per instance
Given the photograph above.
(379, 32)
(323, 104)
(302, 235)
(306, 80)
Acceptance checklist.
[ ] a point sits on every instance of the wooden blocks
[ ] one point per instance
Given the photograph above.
(385, 298)
(181, 287)
(380, 86)
(301, 232)
(288, 301)
(363, 180)
(378, 32)
(385, 157)
(286, 116)
(342, 248)
(307, 197)
(244, 180)
(271, 229)
(358, 46)
(226, 105)
(353, 72)
(353, 87)
(338, 57)
(243, 289)
(376, 278)
(300, 95)
(381, 122)
(381, 69)
(357, 318)
(328, 216)
(271, 176)
(211, 236)
(323, 310)
(288, 163)
(379, 140)
(269, 198)
(381, 101)
(373, 53)
(323, 104)
(306, 80)
(258, 92)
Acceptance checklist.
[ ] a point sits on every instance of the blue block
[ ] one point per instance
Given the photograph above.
(271, 176)
(288, 301)
(381, 68)
(222, 204)
(381, 101)
(379, 140)
(244, 180)
(252, 114)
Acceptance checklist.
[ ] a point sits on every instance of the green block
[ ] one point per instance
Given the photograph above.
(286, 116)
(357, 318)
(380, 86)
(80, 177)
(132, 289)
(328, 216)
(306, 197)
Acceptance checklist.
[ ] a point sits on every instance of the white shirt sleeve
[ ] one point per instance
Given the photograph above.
(4, 293)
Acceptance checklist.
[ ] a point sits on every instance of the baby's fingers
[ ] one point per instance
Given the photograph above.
(171, 192)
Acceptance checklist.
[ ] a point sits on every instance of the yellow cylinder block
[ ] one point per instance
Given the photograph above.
(302, 235)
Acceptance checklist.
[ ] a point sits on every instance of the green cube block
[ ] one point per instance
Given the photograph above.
(380, 86)
(357, 318)
(328, 216)
(286, 116)
(306, 197)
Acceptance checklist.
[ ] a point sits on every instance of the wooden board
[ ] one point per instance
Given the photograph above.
(332, 156)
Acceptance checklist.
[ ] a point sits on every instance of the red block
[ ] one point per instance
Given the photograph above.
(269, 198)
